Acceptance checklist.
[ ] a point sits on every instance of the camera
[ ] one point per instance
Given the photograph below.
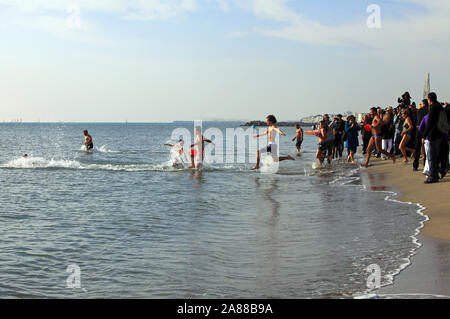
(405, 99)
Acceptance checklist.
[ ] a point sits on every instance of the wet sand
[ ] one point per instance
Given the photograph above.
(429, 272)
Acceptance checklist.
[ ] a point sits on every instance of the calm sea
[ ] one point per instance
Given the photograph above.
(135, 227)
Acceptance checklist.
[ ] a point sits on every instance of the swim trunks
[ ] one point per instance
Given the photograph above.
(272, 148)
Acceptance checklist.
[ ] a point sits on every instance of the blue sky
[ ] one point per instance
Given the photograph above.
(157, 60)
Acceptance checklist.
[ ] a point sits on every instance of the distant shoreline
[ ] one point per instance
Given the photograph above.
(288, 124)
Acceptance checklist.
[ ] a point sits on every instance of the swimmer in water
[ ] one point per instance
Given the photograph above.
(181, 155)
(299, 137)
(198, 148)
(88, 141)
(321, 153)
(272, 147)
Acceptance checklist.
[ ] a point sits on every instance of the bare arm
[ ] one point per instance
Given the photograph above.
(410, 127)
(209, 141)
(279, 131)
(375, 122)
(262, 134)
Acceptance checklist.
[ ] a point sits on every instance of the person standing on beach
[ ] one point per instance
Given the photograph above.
(398, 130)
(443, 162)
(375, 141)
(421, 113)
(272, 147)
(88, 141)
(299, 137)
(351, 128)
(339, 136)
(366, 132)
(406, 135)
(434, 136)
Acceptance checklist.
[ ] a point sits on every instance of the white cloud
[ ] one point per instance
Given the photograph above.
(130, 9)
(430, 27)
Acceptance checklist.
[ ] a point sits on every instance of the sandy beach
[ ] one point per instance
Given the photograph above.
(429, 272)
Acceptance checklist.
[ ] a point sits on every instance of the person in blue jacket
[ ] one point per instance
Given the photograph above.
(351, 128)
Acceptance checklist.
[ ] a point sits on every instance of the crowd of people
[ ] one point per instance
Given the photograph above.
(417, 133)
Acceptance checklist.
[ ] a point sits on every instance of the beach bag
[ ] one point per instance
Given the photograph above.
(442, 123)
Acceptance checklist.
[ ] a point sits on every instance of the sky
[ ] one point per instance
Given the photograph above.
(169, 60)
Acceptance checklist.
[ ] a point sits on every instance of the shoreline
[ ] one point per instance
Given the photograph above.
(428, 274)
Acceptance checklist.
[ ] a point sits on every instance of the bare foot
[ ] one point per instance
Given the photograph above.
(394, 158)
(192, 166)
(255, 168)
(290, 158)
(365, 165)
(405, 161)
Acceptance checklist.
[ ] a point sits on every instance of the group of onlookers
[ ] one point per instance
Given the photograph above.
(419, 132)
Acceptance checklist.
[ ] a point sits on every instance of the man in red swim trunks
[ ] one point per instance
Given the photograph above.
(198, 148)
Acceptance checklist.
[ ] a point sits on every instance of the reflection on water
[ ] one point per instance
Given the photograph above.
(374, 182)
(268, 194)
(197, 178)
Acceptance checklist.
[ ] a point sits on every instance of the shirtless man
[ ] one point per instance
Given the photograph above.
(198, 148)
(321, 153)
(299, 137)
(88, 141)
(272, 148)
(376, 139)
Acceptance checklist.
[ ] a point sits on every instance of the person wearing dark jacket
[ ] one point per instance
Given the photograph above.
(443, 157)
(434, 136)
(418, 145)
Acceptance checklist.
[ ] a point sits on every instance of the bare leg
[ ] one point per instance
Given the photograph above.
(192, 161)
(258, 155)
(403, 147)
(284, 158)
(369, 152)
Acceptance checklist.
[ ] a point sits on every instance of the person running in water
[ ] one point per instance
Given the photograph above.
(299, 137)
(198, 148)
(272, 148)
(88, 141)
(375, 141)
(179, 151)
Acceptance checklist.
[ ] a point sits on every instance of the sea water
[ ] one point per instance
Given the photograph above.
(134, 226)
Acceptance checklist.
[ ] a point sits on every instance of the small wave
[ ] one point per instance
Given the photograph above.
(169, 166)
(39, 162)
